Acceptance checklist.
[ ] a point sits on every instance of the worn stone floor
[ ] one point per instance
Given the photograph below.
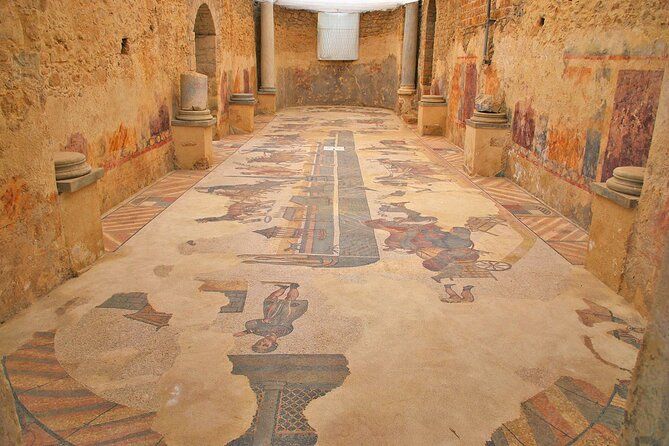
(335, 279)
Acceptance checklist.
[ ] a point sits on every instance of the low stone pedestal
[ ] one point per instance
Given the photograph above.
(266, 102)
(432, 111)
(80, 218)
(613, 215)
(241, 113)
(405, 108)
(192, 143)
(487, 136)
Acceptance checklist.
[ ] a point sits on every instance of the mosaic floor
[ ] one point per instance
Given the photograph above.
(558, 232)
(335, 279)
(122, 222)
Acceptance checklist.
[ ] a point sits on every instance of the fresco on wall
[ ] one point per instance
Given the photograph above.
(161, 122)
(77, 142)
(591, 154)
(631, 130)
(565, 145)
(523, 124)
(618, 130)
(128, 143)
(468, 88)
(370, 84)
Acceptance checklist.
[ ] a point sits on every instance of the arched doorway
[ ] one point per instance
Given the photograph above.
(205, 51)
(428, 48)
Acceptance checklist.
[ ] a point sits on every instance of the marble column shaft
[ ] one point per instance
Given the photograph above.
(409, 46)
(267, 46)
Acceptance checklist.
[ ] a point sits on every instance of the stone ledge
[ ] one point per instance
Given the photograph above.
(74, 184)
(624, 200)
(182, 123)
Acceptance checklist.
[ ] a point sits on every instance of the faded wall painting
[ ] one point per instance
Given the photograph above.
(633, 121)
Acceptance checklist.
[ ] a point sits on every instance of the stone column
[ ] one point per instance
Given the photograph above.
(409, 49)
(78, 199)
(267, 90)
(267, 46)
(487, 138)
(614, 211)
(241, 112)
(192, 129)
(432, 110)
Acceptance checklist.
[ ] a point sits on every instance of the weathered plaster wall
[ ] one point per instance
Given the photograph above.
(372, 80)
(581, 81)
(70, 83)
(645, 254)
(647, 417)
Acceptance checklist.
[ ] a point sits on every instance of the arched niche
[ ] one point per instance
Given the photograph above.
(205, 50)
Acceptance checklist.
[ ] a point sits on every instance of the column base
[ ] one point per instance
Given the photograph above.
(406, 108)
(241, 116)
(266, 101)
(194, 115)
(486, 140)
(80, 219)
(406, 90)
(432, 117)
(192, 143)
(613, 215)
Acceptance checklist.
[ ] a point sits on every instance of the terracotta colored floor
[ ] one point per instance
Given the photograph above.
(337, 279)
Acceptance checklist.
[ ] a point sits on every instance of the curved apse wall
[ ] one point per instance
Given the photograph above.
(370, 81)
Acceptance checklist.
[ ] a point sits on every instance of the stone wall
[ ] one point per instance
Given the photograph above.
(647, 417)
(372, 80)
(99, 78)
(645, 259)
(581, 82)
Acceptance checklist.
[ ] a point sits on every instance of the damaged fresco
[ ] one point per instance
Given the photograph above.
(579, 106)
(370, 81)
(333, 83)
